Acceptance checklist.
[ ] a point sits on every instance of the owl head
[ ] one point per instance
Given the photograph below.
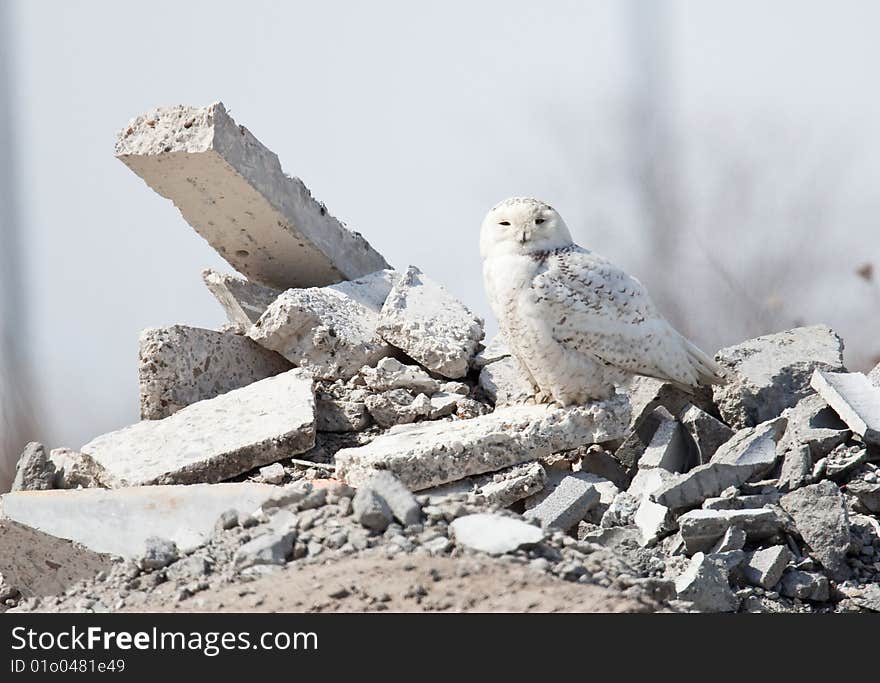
(522, 225)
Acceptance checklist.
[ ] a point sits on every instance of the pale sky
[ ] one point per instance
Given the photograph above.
(409, 121)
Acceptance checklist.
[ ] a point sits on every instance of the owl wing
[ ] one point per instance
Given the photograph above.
(600, 310)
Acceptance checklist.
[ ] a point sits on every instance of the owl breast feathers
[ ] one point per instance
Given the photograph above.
(579, 324)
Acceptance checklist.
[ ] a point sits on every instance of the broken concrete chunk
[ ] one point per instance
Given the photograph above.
(494, 534)
(621, 511)
(705, 585)
(272, 474)
(854, 398)
(370, 291)
(371, 510)
(181, 365)
(390, 373)
(213, 440)
(812, 421)
(653, 521)
(706, 432)
(805, 586)
(119, 521)
(600, 462)
(232, 191)
(567, 505)
(506, 487)
(796, 468)
(424, 320)
(667, 448)
(34, 471)
(397, 407)
(701, 529)
(502, 488)
(321, 330)
(868, 494)
(341, 416)
(740, 502)
(646, 394)
(764, 567)
(433, 453)
(74, 470)
(159, 552)
(768, 374)
(734, 538)
(630, 451)
(243, 301)
(750, 453)
(506, 383)
(271, 548)
(400, 501)
(820, 516)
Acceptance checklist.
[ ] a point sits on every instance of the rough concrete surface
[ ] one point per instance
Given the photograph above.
(430, 454)
(215, 439)
(181, 365)
(230, 188)
(423, 319)
(120, 521)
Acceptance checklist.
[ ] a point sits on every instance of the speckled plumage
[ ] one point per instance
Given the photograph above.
(578, 323)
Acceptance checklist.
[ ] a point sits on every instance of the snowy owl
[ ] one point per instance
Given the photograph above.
(577, 323)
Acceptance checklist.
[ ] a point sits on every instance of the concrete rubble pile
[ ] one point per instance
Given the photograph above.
(348, 408)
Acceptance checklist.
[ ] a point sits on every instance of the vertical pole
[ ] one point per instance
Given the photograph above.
(16, 425)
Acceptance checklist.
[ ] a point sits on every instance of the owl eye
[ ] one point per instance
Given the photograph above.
(504, 223)
(538, 221)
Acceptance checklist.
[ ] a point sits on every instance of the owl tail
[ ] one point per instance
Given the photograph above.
(708, 371)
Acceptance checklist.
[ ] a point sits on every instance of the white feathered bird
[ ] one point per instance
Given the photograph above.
(577, 323)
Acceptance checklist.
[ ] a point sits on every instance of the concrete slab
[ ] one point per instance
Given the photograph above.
(231, 189)
(854, 398)
(429, 454)
(181, 365)
(118, 522)
(215, 439)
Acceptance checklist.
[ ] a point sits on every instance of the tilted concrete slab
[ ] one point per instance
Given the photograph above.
(181, 365)
(231, 189)
(119, 521)
(215, 439)
(430, 454)
(854, 398)
(243, 301)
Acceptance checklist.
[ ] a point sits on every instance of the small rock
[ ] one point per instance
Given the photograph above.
(494, 534)
(567, 505)
(272, 474)
(805, 586)
(705, 585)
(400, 501)
(764, 567)
(371, 510)
(160, 552)
(34, 471)
(268, 549)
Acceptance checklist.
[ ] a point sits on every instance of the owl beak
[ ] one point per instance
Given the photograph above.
(524, 236)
